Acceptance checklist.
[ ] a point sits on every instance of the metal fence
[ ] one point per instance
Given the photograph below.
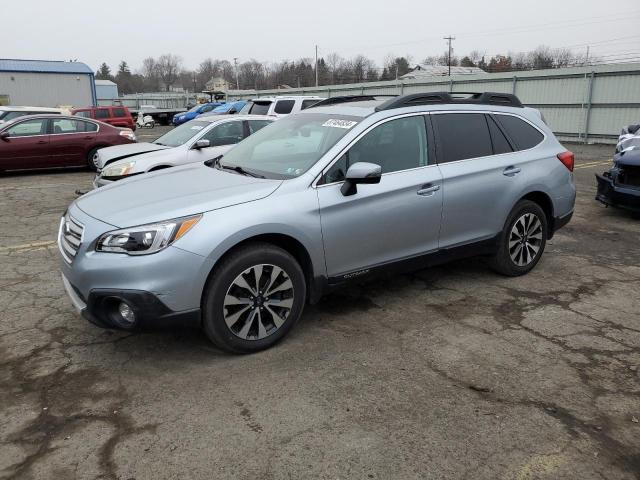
(175, 100)
(588, 104)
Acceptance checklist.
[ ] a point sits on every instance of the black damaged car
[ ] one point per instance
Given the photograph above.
(620, 186)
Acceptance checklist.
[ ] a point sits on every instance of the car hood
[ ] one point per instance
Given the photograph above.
(172, 193)
(111, 154)
(629, 157)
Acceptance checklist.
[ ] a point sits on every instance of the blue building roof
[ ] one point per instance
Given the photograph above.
(43, 66)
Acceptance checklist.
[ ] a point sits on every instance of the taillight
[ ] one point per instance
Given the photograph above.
(567, 158)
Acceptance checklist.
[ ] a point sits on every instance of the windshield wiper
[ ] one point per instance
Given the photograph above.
(215, 162)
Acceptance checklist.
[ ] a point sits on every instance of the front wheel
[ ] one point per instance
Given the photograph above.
(253, 299)
(522, 240)
(92, 159)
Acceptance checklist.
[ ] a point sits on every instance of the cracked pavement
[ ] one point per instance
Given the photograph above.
(452, 372)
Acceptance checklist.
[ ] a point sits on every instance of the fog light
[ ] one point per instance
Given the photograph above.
(126, 313)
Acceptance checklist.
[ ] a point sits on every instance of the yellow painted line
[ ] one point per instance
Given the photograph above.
(591, 165)
(27, 246)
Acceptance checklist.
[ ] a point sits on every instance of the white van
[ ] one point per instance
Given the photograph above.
(279, 106)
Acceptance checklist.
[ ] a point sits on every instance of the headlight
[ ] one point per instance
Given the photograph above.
(118, 170)
(146, 239)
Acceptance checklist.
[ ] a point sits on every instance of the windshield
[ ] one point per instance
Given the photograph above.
(196, 108)
(222, 108)
(181, 134)
(289, 147)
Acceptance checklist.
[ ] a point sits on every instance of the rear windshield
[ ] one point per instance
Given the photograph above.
(259, 108)
(181, 134)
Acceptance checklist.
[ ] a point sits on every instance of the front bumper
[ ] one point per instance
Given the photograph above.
(617, 196)
(162, 287)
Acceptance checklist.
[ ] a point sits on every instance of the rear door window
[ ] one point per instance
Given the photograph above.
(66, 125)
(500, 142)
(521, 133)
(102, 113)
(119, 112)
(462, 136)
(284, 106)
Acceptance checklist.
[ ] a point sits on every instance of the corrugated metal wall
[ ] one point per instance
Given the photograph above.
(47, 89)
(589, 103)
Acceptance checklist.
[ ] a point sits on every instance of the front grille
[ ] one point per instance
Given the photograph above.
(70, 237)
(629, 175)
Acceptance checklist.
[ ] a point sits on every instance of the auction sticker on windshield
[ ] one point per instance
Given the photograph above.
(339, 123)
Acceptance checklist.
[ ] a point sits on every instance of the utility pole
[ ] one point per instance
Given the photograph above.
(586, 61)
(316, 65)
(449, 39)
(235, 63)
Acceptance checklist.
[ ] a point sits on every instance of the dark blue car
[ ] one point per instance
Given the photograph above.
(620, 186)
(181, 118)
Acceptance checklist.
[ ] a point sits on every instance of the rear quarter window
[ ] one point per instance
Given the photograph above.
(522, 134)
(102, 113)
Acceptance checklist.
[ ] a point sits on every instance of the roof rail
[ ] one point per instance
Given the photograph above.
(434, 98)
(349, 98)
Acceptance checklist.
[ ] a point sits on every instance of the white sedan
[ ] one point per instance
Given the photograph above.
(196, 141)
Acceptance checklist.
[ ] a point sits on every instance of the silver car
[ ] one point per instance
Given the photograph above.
(194, 141)
(342, 191)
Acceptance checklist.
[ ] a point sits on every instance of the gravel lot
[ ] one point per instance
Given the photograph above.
(452, 372)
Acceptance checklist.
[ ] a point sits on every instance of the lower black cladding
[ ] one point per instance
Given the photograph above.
(150, 311)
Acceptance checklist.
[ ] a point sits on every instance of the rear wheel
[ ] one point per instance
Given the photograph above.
(254, 298)
(522, 240)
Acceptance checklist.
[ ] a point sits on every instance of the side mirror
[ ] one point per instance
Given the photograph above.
(4, 136)
(202, 144)
(361, 172)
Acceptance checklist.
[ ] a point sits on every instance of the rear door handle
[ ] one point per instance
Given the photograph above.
(428, 190)
(511, 171)
(42, 142)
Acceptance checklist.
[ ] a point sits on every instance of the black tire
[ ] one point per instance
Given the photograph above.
(503, 262)
(90, 155)
(223, 280)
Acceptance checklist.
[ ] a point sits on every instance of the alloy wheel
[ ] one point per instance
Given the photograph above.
(258, 302)
(525, 239)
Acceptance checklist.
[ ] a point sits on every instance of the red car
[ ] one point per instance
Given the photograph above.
(52, 141)
(116, 116)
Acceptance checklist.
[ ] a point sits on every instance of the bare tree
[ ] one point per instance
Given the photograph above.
(334, 63)
(169, 67)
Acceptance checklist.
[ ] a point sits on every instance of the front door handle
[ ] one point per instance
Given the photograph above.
(511, 171)
(41, 142)
(428, 190)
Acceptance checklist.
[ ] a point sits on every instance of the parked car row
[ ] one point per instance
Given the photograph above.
(348, 188)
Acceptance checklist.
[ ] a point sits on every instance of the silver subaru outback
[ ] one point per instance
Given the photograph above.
(351, 187)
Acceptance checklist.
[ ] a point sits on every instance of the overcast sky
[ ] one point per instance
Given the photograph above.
(273, 30)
